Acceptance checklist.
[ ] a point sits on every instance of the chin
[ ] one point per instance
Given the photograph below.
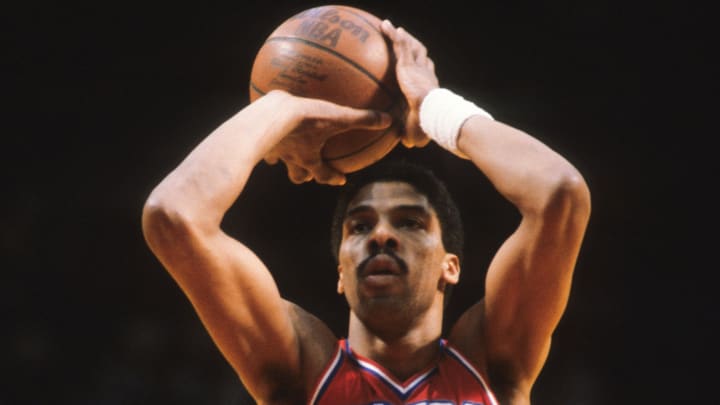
(384, 309)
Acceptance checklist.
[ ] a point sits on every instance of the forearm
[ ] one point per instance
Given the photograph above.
(208, 181)
(524, 170)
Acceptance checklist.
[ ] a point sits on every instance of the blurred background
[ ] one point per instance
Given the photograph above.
(105, 99)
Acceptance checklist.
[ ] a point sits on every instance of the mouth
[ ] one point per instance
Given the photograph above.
(382, 265)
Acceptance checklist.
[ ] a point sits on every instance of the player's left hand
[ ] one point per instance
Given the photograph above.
(415, 73)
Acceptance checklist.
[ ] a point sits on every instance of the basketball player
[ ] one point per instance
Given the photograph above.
(398, 252)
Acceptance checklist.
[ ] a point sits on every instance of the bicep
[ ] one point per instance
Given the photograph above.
(239, 304)
(527, 289)
(528, 286)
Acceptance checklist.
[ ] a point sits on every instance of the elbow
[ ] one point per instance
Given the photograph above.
(164, 224)
(579, 193)
(569, 197)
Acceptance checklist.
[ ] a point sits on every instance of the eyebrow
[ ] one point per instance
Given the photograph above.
(357, 209)
(404, 207)
(413, 207)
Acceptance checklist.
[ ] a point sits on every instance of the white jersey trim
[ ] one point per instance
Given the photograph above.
(325, 380)
(403, 391)
(459, 357)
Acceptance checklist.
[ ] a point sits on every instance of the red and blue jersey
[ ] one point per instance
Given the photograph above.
(351, 379)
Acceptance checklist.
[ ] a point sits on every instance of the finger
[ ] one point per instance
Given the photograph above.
(325, 174)
(422, 141)
(373, 119)
(365, 119)
(407, 47)
(414, 137)
(410, 138)
(409, 128)
(418, 51)
(417, 48)
(414, 141)
(399, 42)
(325, 119)
(271, 158)
(297, 174)
(388, 29)
(406, 36)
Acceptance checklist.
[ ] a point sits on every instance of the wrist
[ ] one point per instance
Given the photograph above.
(442, 115)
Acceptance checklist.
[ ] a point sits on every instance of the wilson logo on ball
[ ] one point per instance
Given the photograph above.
(326, 26)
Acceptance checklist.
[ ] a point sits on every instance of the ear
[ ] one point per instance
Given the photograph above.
(340, 286)
(451, 269)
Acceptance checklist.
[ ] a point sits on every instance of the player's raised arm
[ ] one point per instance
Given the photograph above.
(529, 279)
(263, 337)
(508, 333)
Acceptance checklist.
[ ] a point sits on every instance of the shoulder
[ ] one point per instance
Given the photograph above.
(467, 341)
(317, 343)
(468, 337)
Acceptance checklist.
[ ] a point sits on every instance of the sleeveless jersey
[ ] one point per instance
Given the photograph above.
(351, 379)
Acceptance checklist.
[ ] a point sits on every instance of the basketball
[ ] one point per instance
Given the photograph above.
(336, 53)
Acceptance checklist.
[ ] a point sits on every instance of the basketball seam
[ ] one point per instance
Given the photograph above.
(356, 151)
(352, 63)
(257, 90)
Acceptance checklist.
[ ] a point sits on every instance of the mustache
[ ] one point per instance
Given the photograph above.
(389, 252)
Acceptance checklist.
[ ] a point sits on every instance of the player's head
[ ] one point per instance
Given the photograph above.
(414, 181)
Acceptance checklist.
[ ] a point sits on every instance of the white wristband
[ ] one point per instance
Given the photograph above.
(442, 114)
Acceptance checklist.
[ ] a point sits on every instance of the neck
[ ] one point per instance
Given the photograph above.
(403, 348)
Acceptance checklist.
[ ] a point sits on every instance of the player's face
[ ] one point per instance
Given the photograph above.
(392, 255)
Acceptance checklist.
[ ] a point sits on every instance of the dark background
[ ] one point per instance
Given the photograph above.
(104, 100)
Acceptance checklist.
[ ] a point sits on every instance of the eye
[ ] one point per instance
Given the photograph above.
(359, 227)
(411, 223)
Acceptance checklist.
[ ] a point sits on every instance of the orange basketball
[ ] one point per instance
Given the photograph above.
(339, 54)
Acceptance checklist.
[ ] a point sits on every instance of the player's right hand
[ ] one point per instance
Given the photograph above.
(313, 122)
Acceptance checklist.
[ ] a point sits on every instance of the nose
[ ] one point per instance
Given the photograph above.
(381, 238)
